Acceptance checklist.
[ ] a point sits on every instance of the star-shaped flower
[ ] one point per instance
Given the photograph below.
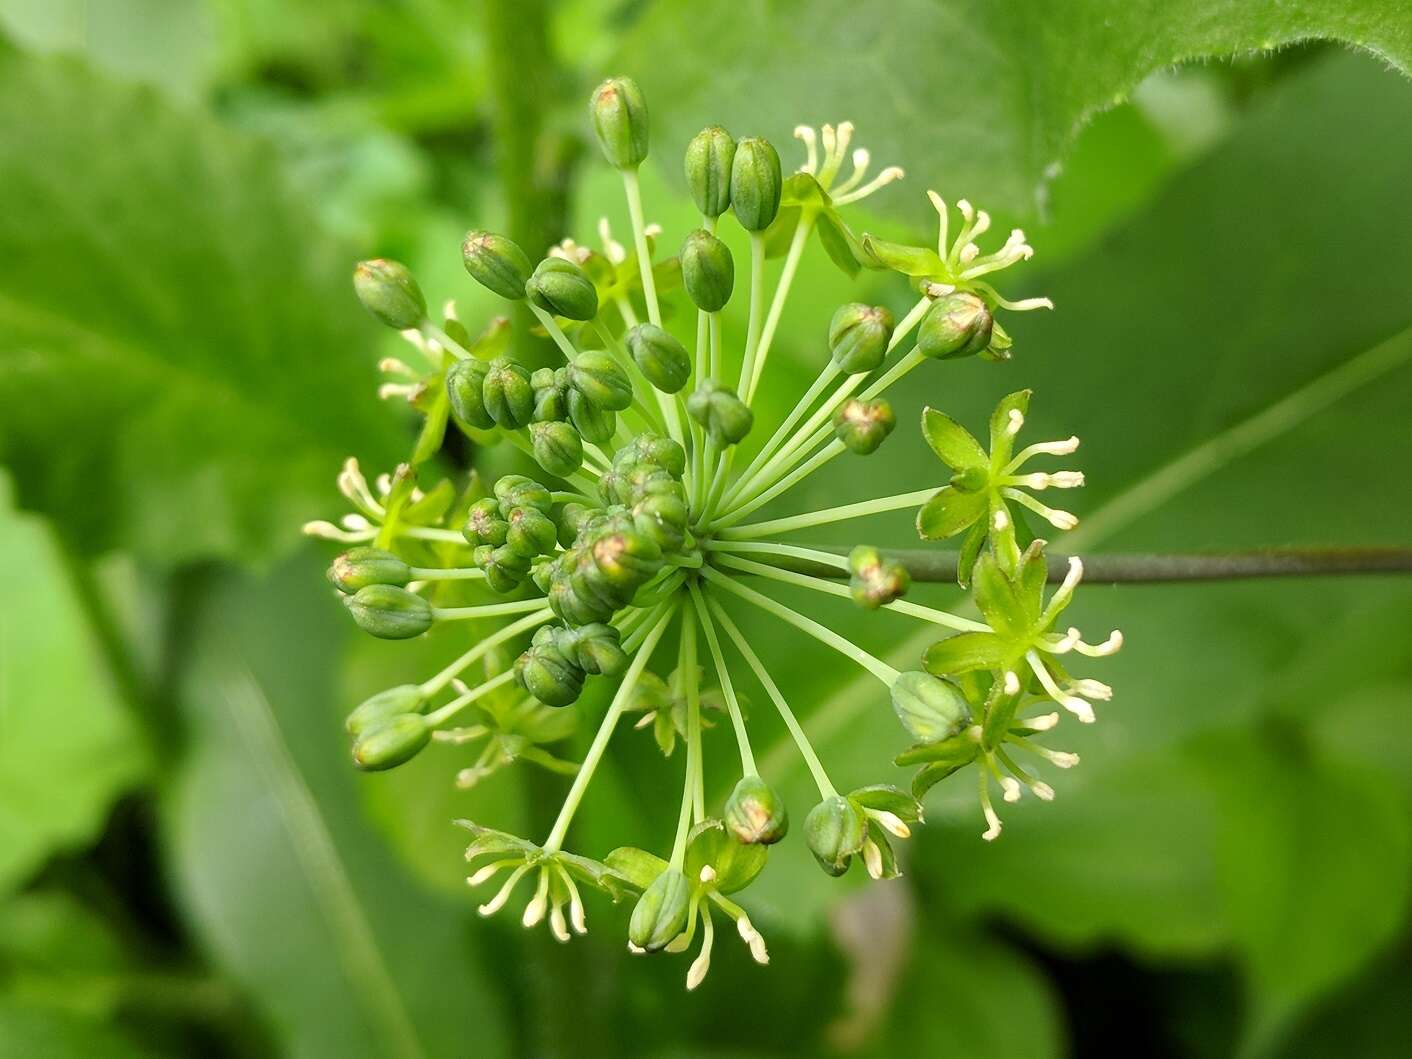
(984, 485)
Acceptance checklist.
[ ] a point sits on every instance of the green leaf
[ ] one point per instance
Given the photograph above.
(46, 1034)
(971, 101)
(284, 881)
(964, 993)
(1307, 903)
(180, 368)
(953, 444)
(68, 746)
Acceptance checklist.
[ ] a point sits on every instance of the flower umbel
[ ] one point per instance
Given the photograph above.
(644, 458)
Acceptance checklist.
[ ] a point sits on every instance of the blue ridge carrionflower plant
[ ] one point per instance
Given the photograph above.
(633, 537)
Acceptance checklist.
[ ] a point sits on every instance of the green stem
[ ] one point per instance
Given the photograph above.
(757, 309)
(790, 577)
(791, 265)
(486, 610)
(828, 515)
(781, 487)
(742, 738)
(925, 564)
(827, 375)
(639, 236)
(796, 730)
(454, 573)
(876, 666)
(686, 667)
(484, 647)
(444, 713)
(600, 741)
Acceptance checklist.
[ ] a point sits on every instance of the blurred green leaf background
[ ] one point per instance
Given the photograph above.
(188, 866)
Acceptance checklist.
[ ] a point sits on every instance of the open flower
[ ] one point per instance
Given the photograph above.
(984, 486)
(556, 877)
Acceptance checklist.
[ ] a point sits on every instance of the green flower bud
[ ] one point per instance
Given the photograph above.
(551, 398)
(561, 288)
(596, 375)
(626, 559)
(708, 170)
(931, 709)
(707, 270)
(875, 581)
(756, 183)
(484, 524)
(755, 814)
(858, 336)
(570, 519)
(385, 705)
(531, 532)
(835, 830)
(595, 424)
(594, 648)
(660, 357)
(508, 396)
(388, 291)
(661, 912)
(663, 517)
(863, 425)
(496, 263)
(389, 612)
(359, 567)
(515, 490)
(568, 605)
(546, 674)
(505, 569)
(723, 414)
(658, 451)
(619, 115)
(465, 389)
(558, 448)
(391, 743)
(957, 325)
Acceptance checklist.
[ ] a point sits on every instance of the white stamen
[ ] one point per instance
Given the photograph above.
(448, 309)
(702, 963)
(872, 859)
(991, 833)
(417, 339)
(557, 926)
(534, 911)
(891, 822)
(1000, 520)
(1012, 683)
(645, 719)
(807, 135)
(967, 210)
(1043, 791)
(982, 224)
(356, 523)
(486, 872)
(1043, 723)
(1065, 643)
(354, 486)
(384, 483)
(636, 950)
(1066, 479)
(329, 532)
(393, 366)
(1092, 689)
(753, 938)
(498, 901)
(460, 686)
(1014, 420)
(939, 204)
(576, 913)
(708, 873)
(969, 253)
(653, 230)
(1059, 758)
(1080, 708)
(1010, 788)
(1109, 646)
(888, 176)
(861, 160)
(830, 142)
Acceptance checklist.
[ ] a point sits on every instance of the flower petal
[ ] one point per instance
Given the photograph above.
(948, 513)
